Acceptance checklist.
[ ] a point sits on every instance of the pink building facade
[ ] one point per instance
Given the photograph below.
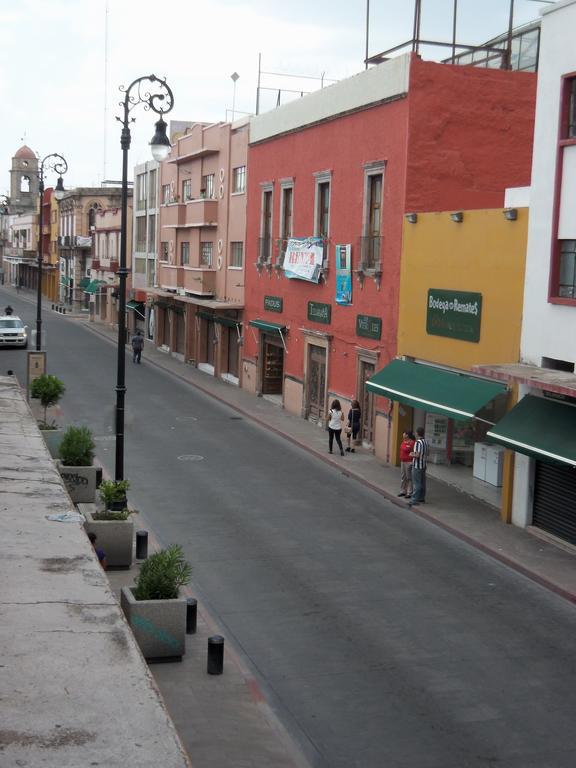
(333, 174)
(199, 301)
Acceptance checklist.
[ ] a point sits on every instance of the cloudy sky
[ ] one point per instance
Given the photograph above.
(59, 91)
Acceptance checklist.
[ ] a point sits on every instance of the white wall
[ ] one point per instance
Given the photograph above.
(545, 330)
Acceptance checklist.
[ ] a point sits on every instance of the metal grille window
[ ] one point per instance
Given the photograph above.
(206, 254)
(567, 277)
(236, 254)
(163, 251)
(371, 240)
(323, 208)
(208, 186)
(264, 249)
(187, 189)
(239, 179)
(165, 194)
(184, 254)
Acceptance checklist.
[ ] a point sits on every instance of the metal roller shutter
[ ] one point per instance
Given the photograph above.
(555, 500)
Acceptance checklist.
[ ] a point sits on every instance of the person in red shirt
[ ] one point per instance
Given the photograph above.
(406, 448)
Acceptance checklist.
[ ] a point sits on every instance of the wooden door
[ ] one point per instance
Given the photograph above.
(316, 382)
(233, 350)
(273, 371)
(367, 403)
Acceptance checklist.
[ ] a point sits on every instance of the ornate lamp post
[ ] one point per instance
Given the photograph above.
(59, 165)
(159, 101)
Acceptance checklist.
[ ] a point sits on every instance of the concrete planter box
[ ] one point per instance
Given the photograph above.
(159, 626)
(80, 482)
(115, 538)
(53, 438)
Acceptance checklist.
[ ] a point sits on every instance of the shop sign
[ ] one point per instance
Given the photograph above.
(454, 314)
(344, 275)
(319, 313)
(368, 326)
(304, 258)
(273, 303)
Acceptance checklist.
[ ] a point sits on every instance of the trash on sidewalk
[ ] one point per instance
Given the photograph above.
(66, 517)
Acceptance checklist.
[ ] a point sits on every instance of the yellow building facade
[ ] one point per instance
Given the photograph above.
(461, 294)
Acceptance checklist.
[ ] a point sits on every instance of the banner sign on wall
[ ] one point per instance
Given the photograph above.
(303, 258)
(344, 275)
(454, 314)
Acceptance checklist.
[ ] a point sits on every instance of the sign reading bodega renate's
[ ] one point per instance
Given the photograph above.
(455, 314)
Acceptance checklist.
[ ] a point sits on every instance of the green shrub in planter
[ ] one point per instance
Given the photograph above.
(113, 491)
(111, 514)
(48, 389)
(77, 447)
(162, 575)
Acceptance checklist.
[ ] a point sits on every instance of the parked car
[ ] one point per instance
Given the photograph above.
(13, 332)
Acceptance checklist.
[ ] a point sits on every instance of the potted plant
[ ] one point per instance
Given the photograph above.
(155, 611)
(49, 390)
(113, 494)
(76, 457)
(115, 532)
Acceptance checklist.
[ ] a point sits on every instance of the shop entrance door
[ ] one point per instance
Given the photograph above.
(233, 351)
(555, 500)
(316, 382)
(273, 369)
(367, 370)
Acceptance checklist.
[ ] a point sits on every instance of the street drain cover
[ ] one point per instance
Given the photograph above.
(190, 457)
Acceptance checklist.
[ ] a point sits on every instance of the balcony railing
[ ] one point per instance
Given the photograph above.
(201, 213)
(264, 250)
(194, 280)
(370, 252)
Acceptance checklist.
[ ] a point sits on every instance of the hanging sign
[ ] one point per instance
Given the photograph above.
(304, 258)
(344, 275)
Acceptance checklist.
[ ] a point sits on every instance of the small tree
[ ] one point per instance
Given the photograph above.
(77, 447)
(162, 575)
(48, 389)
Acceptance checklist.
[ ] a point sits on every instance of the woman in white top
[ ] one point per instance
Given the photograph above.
(336, 420)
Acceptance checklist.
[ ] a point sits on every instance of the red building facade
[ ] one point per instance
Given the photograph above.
(345, 165)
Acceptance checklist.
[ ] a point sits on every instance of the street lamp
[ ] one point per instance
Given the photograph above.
(59, 165)
(161, 101)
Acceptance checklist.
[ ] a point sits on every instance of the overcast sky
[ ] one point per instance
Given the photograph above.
(55, 80)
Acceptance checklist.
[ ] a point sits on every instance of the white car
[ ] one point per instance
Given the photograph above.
(13, 332)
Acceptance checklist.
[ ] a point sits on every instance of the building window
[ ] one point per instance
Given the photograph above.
(152, 188)
(236, 254)
(184, 254)
(264, 251)
(567, 276)
(371, 239)
(165, 194)
(322, 223)
(163, 251)
(207, 190)
(286, 208)
(187, 190)
(571, 120)
(141, 195)
(205, 254)
(239, 179)
(141, 233)
(152, 233)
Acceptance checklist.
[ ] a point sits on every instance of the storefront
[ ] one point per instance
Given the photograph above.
(272, 346)
(457, 411)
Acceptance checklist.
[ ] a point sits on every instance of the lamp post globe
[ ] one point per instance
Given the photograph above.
(155, 94)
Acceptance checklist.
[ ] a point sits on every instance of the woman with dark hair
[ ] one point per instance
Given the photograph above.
(336, 420)
(353, 426)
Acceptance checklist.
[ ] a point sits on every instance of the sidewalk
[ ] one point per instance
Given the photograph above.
(471, 520)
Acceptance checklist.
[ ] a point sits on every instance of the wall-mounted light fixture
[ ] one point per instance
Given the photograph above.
(457, 216)
(412, 218)
(510, 214)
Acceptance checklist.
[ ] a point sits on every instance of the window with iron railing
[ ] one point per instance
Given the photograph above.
(236, 254)
(265, 240)
(206, 254)
(239, 179)
(165, 194)
(184, 254)
(163, 251)
(371, 240)
(370, 251)
(187, 190)
(208, 186)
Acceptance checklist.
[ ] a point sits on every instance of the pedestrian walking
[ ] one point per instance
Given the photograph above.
(335, 423)
(137, 342)
(353, 427)
(406, 448)
(419, 462)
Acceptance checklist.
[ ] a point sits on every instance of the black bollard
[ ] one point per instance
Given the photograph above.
(191, 615)
(215, 655)
(141, 545)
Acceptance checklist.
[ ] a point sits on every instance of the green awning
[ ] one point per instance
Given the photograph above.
(135, 305)
(84, 282)
(456, 395)
(229, 322)
(93, 286)
(266, 325)
(541, 428)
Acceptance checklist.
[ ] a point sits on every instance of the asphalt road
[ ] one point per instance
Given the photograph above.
(382, 641)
